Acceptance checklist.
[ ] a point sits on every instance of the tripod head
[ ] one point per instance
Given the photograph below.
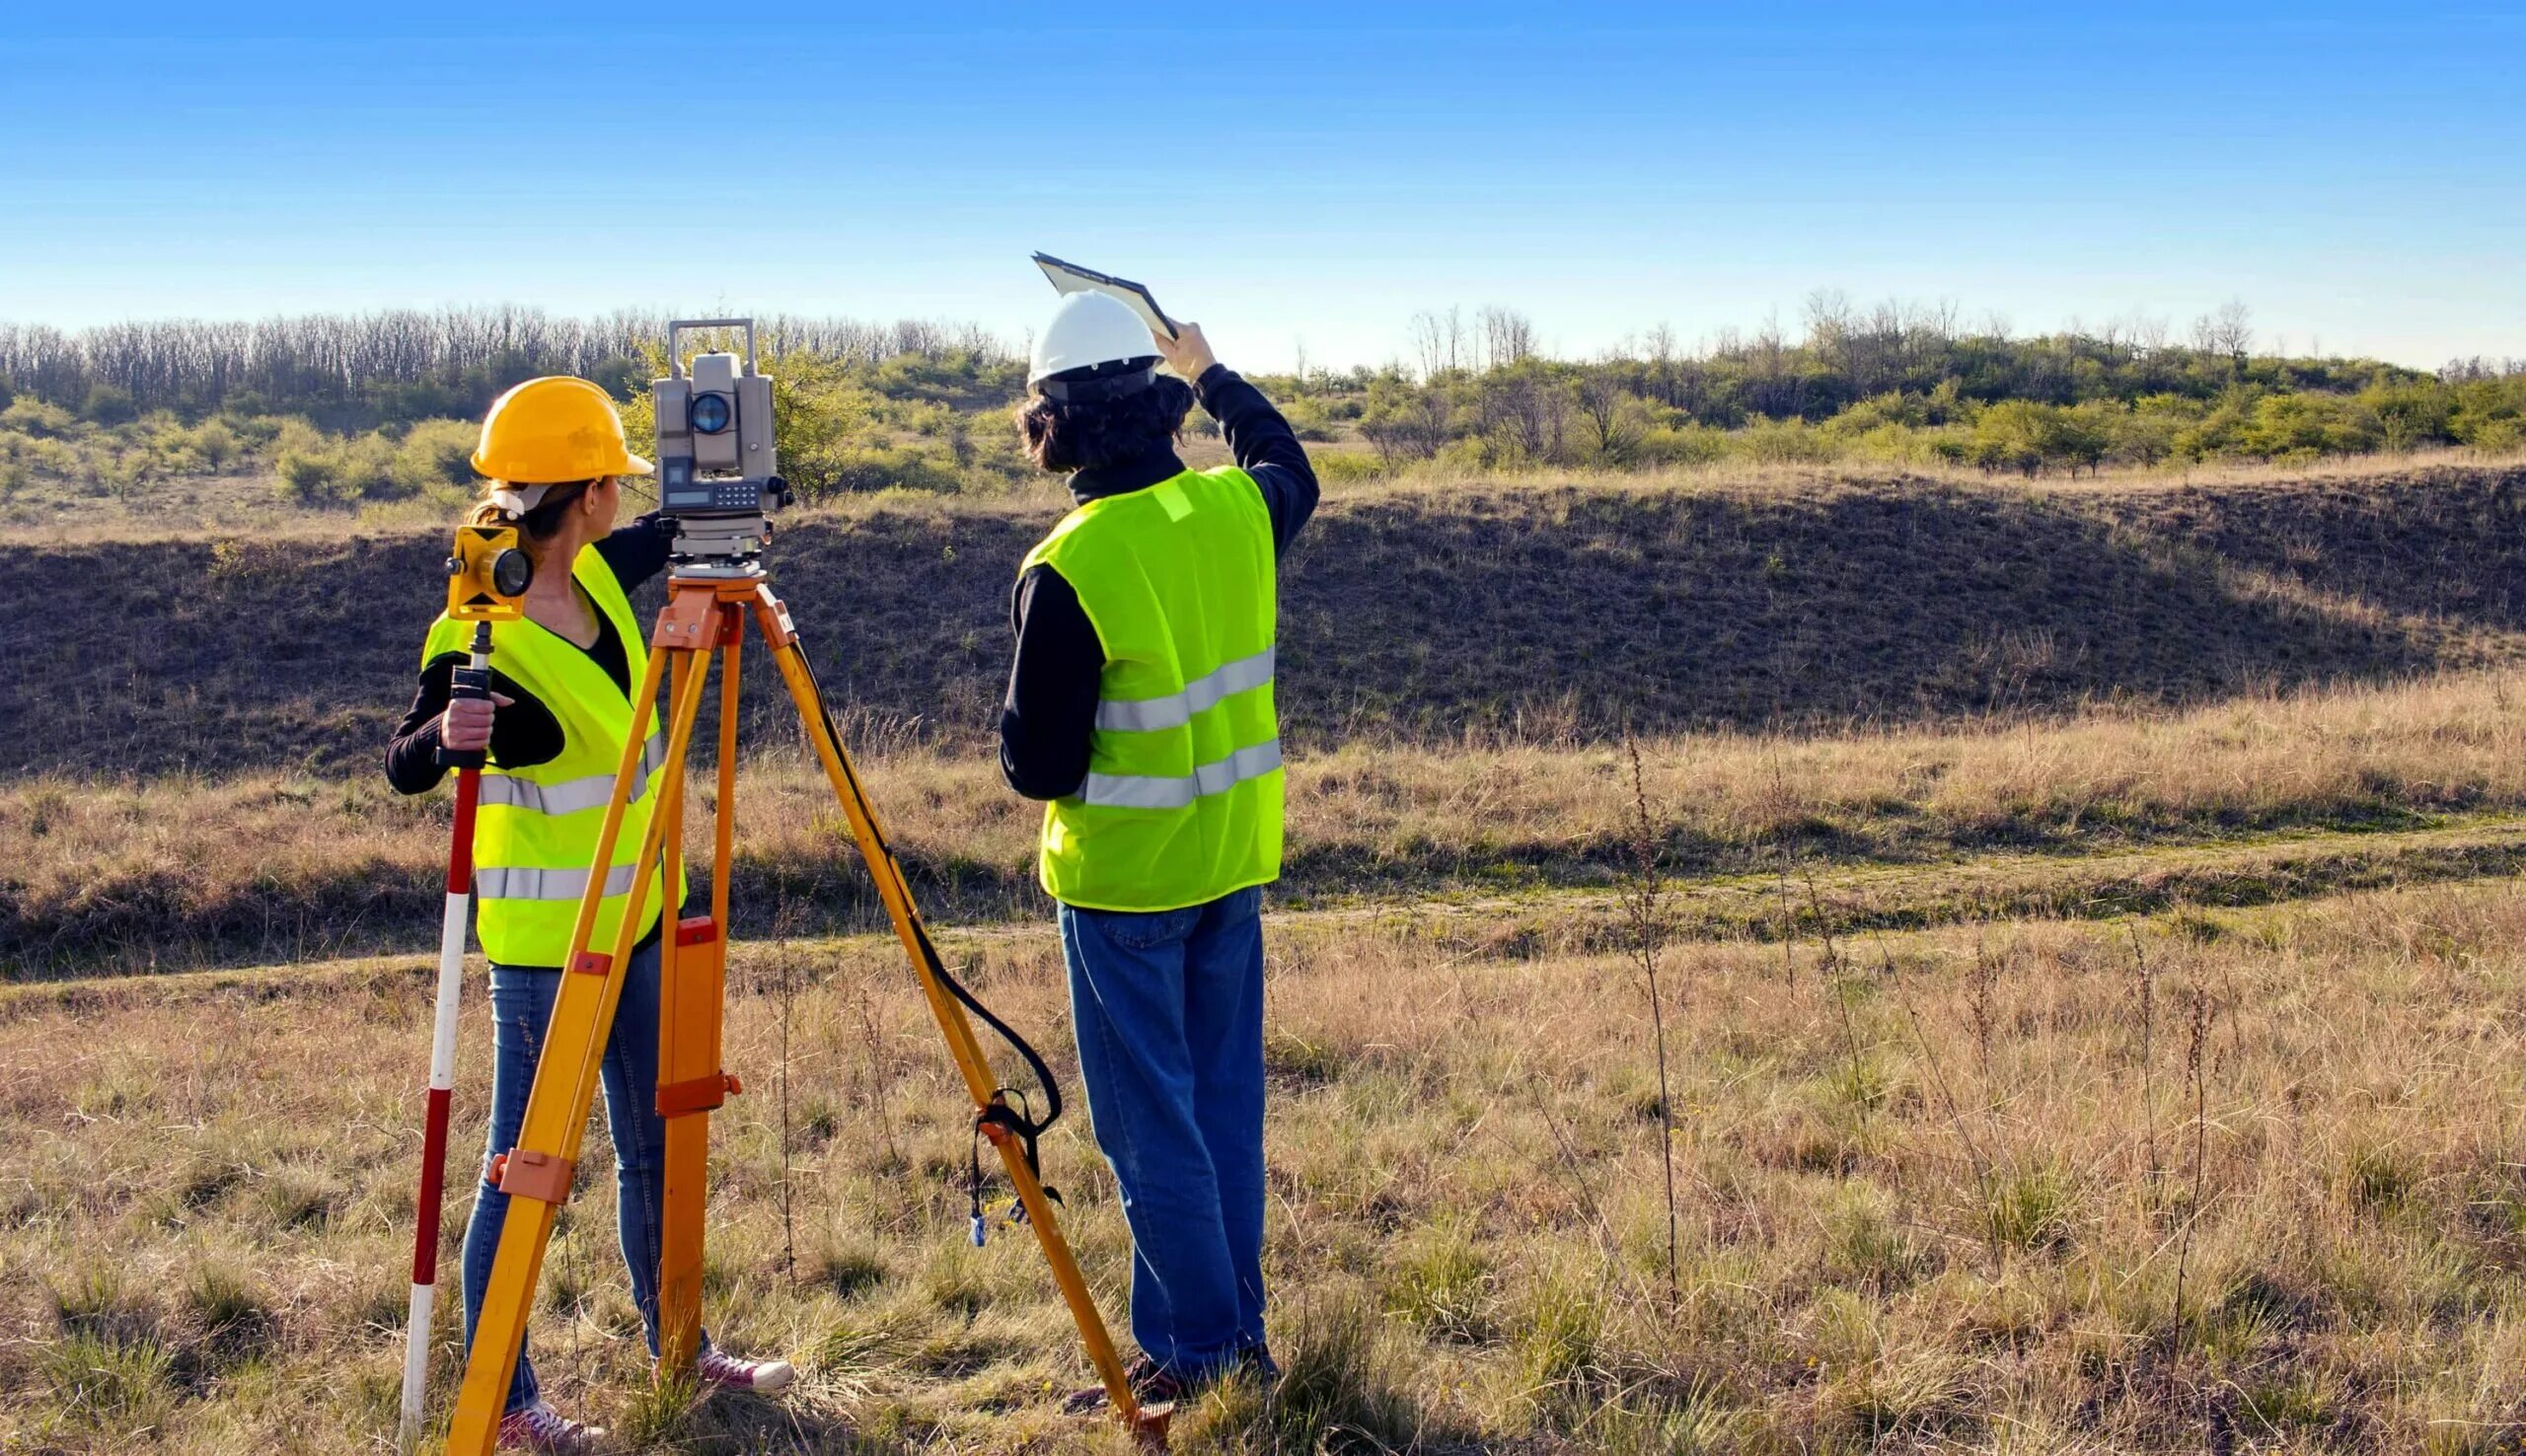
(717, 463)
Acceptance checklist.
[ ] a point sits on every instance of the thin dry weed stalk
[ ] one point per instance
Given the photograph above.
(1986, 1178)
(2196, 1077)
(784, 962)
(2145, 1002)
(1648, 940)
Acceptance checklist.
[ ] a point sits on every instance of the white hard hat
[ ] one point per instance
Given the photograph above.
(1087, 330)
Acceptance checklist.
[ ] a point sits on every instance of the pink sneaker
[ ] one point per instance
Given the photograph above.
(540, 1427)
(723, 1371)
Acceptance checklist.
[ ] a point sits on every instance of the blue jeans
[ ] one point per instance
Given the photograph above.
(521, 1008)
(1170, 1011)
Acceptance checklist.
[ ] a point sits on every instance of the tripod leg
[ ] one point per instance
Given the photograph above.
(1149, 1425)
(691, 1081)
(536, 1176)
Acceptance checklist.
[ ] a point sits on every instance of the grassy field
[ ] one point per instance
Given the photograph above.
(2085, 941)
(181, 872)
(2204, 1180)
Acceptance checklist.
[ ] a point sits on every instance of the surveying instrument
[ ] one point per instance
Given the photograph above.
(717, 478)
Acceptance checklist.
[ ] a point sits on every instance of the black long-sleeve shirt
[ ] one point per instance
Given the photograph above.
(1049, 711)
(526, 733)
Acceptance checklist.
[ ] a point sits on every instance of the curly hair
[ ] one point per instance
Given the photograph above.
(1083, 435)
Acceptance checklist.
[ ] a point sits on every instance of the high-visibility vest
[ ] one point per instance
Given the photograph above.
(1182, 802)
(536, 828)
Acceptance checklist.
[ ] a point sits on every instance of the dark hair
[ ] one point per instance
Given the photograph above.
(541, 524)
(1084, 435)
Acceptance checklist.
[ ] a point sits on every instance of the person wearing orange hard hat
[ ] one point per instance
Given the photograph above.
(553, 458)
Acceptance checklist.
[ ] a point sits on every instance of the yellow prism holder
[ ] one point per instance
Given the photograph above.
(707, 617)
(487, 576)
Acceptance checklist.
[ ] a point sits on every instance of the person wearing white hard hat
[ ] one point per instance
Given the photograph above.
(1141, 710)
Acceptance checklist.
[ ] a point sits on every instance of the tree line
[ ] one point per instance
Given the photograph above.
(334, 402)
(400, 365)
(1904, 383)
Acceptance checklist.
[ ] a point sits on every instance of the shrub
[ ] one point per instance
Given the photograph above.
(214, 443)
(859, 470)
(110, 404)
(436, 452)
(1308, 417)
(1785, 442)
(1343, 467)
(31, 415)
(312, 477)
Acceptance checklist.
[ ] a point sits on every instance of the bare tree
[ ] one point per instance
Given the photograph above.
(2232, 328)
(1438, 339)
(1508, 336)
(1660, 347)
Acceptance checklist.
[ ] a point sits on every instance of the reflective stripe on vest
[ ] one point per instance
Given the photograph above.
(1175, 709)
(572, 795)
(1134, 791)
(546, 884)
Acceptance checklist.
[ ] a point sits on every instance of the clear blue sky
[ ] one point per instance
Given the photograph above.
(1289, 172)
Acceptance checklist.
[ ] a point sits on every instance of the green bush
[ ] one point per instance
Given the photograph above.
(110, 404)
(215, 443)
(29, 415)
(311, 479)
(435, 452)
(1342, 467)
(1310, 419)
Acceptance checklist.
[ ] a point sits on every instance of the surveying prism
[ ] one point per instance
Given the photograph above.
(718, 471)
(486, 581)
(716, 477)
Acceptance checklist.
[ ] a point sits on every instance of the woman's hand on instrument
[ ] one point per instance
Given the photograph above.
(466, 727)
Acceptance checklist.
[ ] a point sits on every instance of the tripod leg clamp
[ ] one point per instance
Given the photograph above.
(698, 1095)
(527, 1174)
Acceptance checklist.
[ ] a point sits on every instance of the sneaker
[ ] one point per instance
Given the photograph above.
(540, 1427)
(723, 1371)
(1152, 1383)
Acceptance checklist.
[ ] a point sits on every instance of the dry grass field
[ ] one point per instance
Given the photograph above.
(2202, 1181)
(178, 872)
(2083, 922)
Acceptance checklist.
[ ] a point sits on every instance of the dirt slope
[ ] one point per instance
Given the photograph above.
(1555, 610)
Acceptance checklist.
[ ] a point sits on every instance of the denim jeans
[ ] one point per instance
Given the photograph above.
(1169, 1007)
(521, 1008)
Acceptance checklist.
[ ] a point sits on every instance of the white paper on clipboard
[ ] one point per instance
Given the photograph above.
(1068, 278)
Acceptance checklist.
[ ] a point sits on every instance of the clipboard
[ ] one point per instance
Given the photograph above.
(1068, 278)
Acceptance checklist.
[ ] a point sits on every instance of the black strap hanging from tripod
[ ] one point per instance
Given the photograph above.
(1018, 1118)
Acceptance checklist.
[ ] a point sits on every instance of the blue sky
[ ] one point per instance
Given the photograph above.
(1291, 174)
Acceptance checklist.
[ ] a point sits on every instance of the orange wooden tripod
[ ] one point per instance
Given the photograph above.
(706, 615)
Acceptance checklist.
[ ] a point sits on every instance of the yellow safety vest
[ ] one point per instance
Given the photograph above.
(535, 832)
(1182, 802)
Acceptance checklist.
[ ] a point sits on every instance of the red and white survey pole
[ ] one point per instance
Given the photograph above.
(472, 680)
